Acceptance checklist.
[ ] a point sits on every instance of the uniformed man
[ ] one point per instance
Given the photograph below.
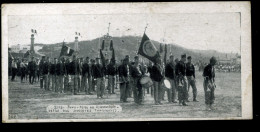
(182, 80)
(41, 68)
(170, 75)
(136, 74)
(49, 77)
(38, 69)
(85, 76)
(75, 71)
(124, 78)
(23, 70)
(149, 69)
(190, 73)
(93, 80)
(99, 75)
(67, 73)
(80, 61)
(209, 83)
(14, 69)
(54, 77)
(61, 72)
(157, 77)
(111, 72)
(32, 70)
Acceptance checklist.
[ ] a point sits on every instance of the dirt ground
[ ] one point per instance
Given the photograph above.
(30, 102)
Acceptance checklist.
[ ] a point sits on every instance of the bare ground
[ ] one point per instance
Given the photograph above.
(30, 102)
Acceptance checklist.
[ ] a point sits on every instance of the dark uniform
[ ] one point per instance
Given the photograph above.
(111, 72)
(61, 72)
(137, 87)
(99, 74)
(157, 77)
(85, 76)
(124, 78)
(32, 71)
(181, 82)
(75, 74)
(190, 73)
(54, 78)
(170, 74)
(23, 70)
(209, 84)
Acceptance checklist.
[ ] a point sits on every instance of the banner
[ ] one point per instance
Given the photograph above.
(147, 49)
(66, 51)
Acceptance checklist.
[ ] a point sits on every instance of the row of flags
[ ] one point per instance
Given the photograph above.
(34, 31)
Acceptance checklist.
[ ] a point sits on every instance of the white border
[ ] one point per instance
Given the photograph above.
(126, 8)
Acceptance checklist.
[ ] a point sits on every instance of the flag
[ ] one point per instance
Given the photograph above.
(79, 34)
(27, 54)
(35, 32)
(32, 30)
(102, 58)
(165, 54)
(103, 44)
(161, 48)
(111, 45)
(147, 49)
(66, 51)
(113, 55)
(76, 33)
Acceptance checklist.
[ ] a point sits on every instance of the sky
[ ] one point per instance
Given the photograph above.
(207, 31)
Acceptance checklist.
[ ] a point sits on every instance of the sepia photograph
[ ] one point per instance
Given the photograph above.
(126, 61)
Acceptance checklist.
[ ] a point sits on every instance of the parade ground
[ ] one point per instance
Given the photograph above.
(30, 102)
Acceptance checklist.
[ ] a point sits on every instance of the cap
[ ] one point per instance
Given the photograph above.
(189, 57)
(183, 56)
(213, 59)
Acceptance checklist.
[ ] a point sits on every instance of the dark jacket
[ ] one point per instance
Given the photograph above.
(209, 71)
(180, 69)
(98, 71)
(111, 69)
(156, 73)
(61, 69)
(136, 71)
(53, 69)
(85, 69)
(190, 70)
(32, 66)
(123, 71)
(75, 68)
(45, 68)
(170, 71)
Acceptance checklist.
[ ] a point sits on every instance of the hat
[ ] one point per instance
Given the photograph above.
(127, 56)
(87, 57)
(183, 55)
(136, 57)
(189, 57)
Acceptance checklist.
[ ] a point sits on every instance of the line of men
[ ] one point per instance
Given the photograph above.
(90, 76)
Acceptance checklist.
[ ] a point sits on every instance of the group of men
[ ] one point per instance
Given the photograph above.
(89, 75)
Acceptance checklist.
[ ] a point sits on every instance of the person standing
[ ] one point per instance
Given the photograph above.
(170, 75)
(99, 75)
(85, 76)
(93, 80)
(80, 62)
(38, 69)
(41, 68)
(149, 70)
(74, 66)
(23, 70)
(14, 69)
(124, 74)
(190, 73)
(32, 70)
(111, 71)
(182, 80)
(49, 76)
(54, 76)
(137, 87)
(157, 77)
(61, 71)
(209, 83)
(67, 79)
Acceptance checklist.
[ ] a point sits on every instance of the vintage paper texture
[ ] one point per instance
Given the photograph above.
(134, 8)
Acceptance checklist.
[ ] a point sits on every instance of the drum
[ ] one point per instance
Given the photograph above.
(166, 84)
(146, 82)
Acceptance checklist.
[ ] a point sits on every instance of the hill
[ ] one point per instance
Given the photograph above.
(128, 45)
